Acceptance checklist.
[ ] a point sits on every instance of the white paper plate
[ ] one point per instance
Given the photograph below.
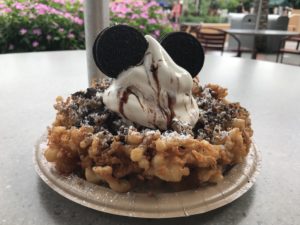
(162, 205)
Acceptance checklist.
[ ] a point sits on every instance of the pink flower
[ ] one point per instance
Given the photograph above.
(112, 6)
(78, 20)
(165, 20)
(138, 3)
(145, 8)
(157, 33)
(71, 36)
(67, 15)
(121, 8)
(127, 1)
(175, 26)
(48, 37)
(159, 11)
(37, 31)
(121, 15)
(2, 6)
(61, 30)
(7, 10)
(152, 21)
(144, 15)
(35, 44)
(19, 6)
(152, 3)
(59, 1)
(134, 16)
(41, 8)
(142, 26)
(23, 31)
(55, 11)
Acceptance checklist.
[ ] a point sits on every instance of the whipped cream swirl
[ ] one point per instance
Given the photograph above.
(154, 93)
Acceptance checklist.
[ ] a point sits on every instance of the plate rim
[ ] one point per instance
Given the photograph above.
(151, 214)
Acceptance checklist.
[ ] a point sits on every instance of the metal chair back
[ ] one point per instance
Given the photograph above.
(212, 38)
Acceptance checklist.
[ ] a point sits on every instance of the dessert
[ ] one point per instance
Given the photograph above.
(152, 124)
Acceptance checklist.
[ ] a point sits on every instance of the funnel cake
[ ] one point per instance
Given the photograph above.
(98, 144)
(151, 124)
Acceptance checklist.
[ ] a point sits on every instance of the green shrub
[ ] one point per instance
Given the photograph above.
(148, 17)
(201, 19)
(39, 25)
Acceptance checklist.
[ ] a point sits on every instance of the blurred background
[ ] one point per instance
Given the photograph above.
(45, 25)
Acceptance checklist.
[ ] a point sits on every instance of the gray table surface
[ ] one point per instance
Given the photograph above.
(254, 32)
(30, 82)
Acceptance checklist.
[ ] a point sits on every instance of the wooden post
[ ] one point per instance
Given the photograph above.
(258, 6)
(261, 11)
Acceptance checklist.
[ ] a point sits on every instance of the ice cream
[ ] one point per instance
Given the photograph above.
(153, 93)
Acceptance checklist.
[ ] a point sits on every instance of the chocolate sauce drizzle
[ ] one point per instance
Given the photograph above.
(170, 114)
(124, 100)
(153, 70)
(171, 103)
(167, 111)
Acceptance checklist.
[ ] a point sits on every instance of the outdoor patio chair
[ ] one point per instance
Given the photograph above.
(189, 29)
(185, 28)
(214, 39)
(282, 49)
(296, 39)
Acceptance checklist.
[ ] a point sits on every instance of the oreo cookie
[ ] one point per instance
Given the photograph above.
(185, 50)
(117, 48)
